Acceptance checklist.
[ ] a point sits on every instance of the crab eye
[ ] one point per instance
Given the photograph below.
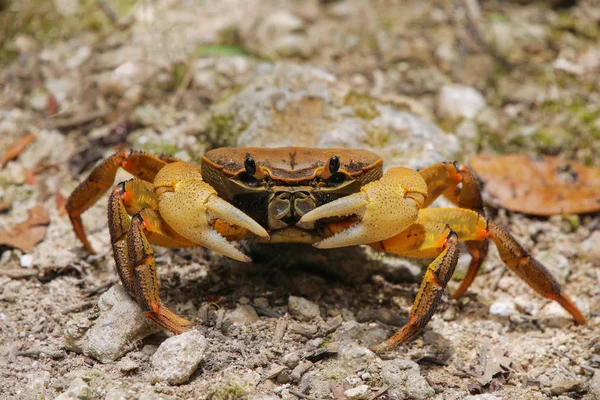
(334, 164)
(250, 166)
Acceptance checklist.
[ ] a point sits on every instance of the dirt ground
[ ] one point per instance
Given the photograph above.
(156, 76)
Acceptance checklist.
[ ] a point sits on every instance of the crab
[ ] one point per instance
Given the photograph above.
(327, 197)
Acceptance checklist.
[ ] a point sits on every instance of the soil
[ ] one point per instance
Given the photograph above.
(150, 76)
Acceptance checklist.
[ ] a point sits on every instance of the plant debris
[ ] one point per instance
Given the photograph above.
(16, 148)
(25, 235)
(539, 187)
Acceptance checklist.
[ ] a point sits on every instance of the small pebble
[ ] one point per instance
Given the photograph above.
(178, 357)
(503, 308)
(26, 260)
(358, 392)
(302, 309)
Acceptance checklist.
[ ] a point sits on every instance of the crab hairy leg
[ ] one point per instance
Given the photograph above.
(423, 240)
(471, 226)
(191, 207)
(144, 280)
(140, 165)
(458, 184)
(384, 208)
(128, 199)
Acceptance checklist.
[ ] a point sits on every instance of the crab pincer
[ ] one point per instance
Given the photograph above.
(384, 208)
(192, 207)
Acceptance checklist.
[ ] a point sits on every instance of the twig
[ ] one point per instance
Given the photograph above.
(79, 307)
(77, 120)
(36, 353)
(99, 289)
(18, 273)
(301, 395)
(378, 393)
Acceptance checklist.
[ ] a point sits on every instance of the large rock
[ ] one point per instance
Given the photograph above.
(120, 325)
(293, 105)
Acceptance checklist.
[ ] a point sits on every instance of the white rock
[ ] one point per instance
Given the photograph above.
(482, 397)
(459, 101)
(178, 357)
(302, 309)
(292, 45)
(358, 392)
(553, 315)
(120, 325)
(281, 22)
(243, 315)
(404, 378)
(66, 7)
(26, 260)
(503, 308)
(78, 389)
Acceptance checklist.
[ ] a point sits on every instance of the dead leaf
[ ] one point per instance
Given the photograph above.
(52, 105)
(539, 187)
(61, 203)
(496, 365)
(27, 234)
(16, 148)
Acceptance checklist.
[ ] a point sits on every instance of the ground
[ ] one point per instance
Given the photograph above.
(183, 77)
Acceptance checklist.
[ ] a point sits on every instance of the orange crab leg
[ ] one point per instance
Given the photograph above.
(127, 199)
(144, 279)
(471, 226)
(444, 179)
(423, 240)
(141, 165)
(518, 260)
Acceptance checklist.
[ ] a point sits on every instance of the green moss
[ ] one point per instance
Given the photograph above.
(40, 20)
(223, 130)
(233, 391)
(364, 106)
(378, 139)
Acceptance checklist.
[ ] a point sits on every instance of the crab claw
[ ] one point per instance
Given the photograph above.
(191, 207)
(385, 208)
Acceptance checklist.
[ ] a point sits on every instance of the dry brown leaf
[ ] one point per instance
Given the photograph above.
(540, 187)
(27, 234)
(16, 148)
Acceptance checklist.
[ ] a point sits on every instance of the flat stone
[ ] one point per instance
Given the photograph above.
(503, 308)
(404, 378)
(178, 357)
(78, 389)
(302, 309)
(120, 325)
(243, 315)
(358, 392)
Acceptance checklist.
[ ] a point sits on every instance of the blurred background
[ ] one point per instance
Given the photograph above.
(415, 81)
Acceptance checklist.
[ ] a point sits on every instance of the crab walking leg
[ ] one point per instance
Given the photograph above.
(144, 280)
(192, 208)
(143, 166)
(423, 241)
(518, 260)
(384, 208)
(444, 179)
(471, 226)
(128, 199)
